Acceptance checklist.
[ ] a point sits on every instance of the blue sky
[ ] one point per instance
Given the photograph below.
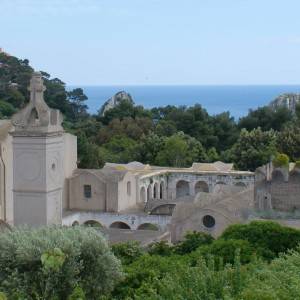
(107, 42)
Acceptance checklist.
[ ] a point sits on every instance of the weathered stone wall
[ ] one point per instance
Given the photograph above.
(279, 190)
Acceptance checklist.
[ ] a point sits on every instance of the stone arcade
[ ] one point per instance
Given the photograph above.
(40, 183)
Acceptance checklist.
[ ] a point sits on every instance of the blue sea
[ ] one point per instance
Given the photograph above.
(215, 99)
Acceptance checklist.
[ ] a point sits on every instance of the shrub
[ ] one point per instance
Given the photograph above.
(281, 160)
(127, 252)
(6, 109)
(225, 250)
(56, 262)
(192, 241)
(160, 248)
(268, 238)
(278, 280)
(144, 275)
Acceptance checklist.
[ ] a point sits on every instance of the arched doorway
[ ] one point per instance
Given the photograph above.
(162, 191)
(148, 226)
(119, 225)
(182, 188)
(75, 223)
(143, 195)
(93, 223)
(201, 186)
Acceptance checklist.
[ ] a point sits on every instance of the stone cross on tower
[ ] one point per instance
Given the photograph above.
(38, 164)
(37, 116)
(36, 88)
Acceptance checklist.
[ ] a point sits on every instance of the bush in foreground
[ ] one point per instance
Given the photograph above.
(56, 263)
(268, 238)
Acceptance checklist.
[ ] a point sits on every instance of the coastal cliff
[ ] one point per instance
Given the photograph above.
(289, 101)
(115, 101)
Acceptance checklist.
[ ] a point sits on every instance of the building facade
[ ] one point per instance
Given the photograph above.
(40, 183)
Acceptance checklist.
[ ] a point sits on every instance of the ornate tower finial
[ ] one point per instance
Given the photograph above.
(37, 117)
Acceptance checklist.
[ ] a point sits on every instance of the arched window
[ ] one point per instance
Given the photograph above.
(182, 189)
(143, 195)
(129, 188)
(201, 186)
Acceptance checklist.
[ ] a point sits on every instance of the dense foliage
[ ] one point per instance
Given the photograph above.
(56, 263)
(246, 262)
(165, 136)
(260, 260)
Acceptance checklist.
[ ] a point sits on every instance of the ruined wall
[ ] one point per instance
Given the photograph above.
(277, 189)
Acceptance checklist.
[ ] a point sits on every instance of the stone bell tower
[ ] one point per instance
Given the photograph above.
(37, 160)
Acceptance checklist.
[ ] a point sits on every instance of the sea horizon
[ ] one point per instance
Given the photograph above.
(237, 99)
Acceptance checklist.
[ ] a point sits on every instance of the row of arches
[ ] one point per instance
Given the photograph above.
(118, 225)
(183, 187)
(154, 191)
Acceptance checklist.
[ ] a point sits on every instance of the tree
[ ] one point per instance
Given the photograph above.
(174, 152)
(6, 109)
(120, 149)
(88, 153)
(149, 147)
(192, 241)
(268, 238)
(254, 149)
(266, 118)
(288, 141)
(77, 99)
(51, 262)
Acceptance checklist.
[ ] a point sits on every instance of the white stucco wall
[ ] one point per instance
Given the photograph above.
(6, 202)
(125, 199)
(70, 164)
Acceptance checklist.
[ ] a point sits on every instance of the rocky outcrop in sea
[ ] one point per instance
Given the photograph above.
(289, 101)
(115, 101)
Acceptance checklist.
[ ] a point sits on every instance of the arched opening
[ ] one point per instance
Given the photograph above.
(75, 223)
(119, 225)
(93, 223)
(128, 188)
(34, 117)
(155, 191)
(277, 176)
(149, 192)
(201, 186)
(209, 221)
(143, 195)
(148, 226)
(182, 189)
(218, 187)
(240, 184)
(164, 209)
(161, 192)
